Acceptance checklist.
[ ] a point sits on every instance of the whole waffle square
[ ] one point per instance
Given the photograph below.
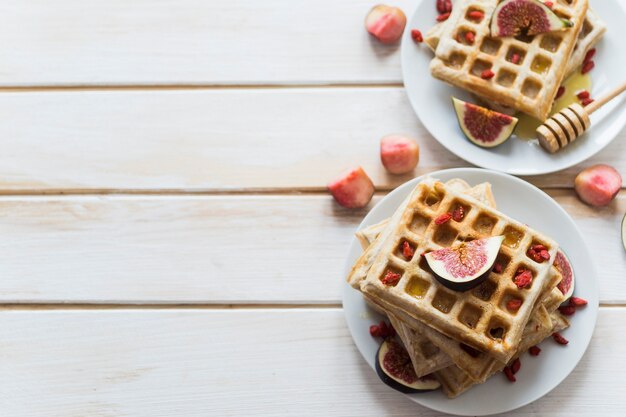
(478, 317)
(528, 85)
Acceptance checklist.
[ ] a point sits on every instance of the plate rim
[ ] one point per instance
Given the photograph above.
(594, 310)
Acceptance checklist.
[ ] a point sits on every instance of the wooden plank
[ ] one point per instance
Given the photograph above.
(215, 139)
(211, 249)
(191, 42)
(219, 363)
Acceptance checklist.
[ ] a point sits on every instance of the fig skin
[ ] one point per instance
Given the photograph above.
(598, 185)
(399, 154)
(353, 189)
(420, 385)
(385, 23)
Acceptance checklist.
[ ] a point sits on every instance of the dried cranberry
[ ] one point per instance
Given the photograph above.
(497, 268)
(443, 17)
(441, 6)
(514, 304)
(407, 250)
(390, 279)
(538, 253)
(559, 339)
(590, 54)
(567, 310)
(515, 366)
(534, 350)
(470, 37)
(577, 302)
(515, 58)
(583, 95)
(375, 330)
(549, 4)
(523, 278)
(417, 36)
(587, 102)
(487, 74)
(560, 93)
(509, 374)
(444, 218)
(476, 15)
(458, 214)
(588, 66)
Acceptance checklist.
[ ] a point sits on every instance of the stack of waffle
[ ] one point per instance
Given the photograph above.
(528, 71)
(462, 338)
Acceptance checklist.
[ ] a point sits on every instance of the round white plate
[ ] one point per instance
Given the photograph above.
(431, 101)
(539, 375)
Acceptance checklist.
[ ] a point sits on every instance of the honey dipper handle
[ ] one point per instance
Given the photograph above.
(601, 102)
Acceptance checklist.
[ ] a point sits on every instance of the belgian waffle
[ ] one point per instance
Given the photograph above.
(531, 84)
(492, 328)
(592, 31)
(455, 381)
(425, 356)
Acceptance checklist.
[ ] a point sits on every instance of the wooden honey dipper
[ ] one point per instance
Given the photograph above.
(564, 127)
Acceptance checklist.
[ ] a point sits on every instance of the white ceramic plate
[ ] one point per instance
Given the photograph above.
(431, 101)
(539, 375)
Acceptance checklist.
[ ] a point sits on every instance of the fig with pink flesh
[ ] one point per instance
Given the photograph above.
(484, 127)
(394, 367)
(466, 265)
(564, 266)
(526, 18)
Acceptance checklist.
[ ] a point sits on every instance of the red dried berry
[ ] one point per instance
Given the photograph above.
(587, 102)
(385, 330)
(538, 253)
(509, 374)
(448, 6)
(523, 278)
(549, 4)
(515, 58)
(515, 366)
(375, 330)
(560, 93)
(588, 66)
(407, 250)
(559, 339)
(441, 6)
(590, 54)
(390, 279)
(443, 17)
(583, 95)
(497, 268)
(417, 36)
(514, 304)
(534, 350)
(444, 218)
(577, 302)
(470, 37)
(487, 74)
(567, 310)
(458, 214)
(476, 15)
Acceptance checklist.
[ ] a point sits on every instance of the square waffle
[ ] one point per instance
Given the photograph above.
(478, 319)
(425, 356)
(476, 364)
(455, 381)
(531, 84)
(592, 31)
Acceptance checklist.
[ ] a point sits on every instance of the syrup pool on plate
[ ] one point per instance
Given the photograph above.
(573, 85)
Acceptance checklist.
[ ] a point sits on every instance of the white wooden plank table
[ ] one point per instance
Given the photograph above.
(168, 247)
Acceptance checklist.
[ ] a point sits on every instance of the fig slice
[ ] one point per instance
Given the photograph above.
(564, 266)
(394, 367)
(483, 127)
(466, 265)
(526, 18)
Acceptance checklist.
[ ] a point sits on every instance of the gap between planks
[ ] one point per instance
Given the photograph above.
(190, 87)
(189, 306)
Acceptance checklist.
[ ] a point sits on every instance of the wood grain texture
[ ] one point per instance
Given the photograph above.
(211, 249)
(236, 363)
(215, 140)
(190, 42)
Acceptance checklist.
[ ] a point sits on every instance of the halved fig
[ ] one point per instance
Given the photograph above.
(564, 266)
(394, 367)
(484, 127)
(466, 265)
(526, 18)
